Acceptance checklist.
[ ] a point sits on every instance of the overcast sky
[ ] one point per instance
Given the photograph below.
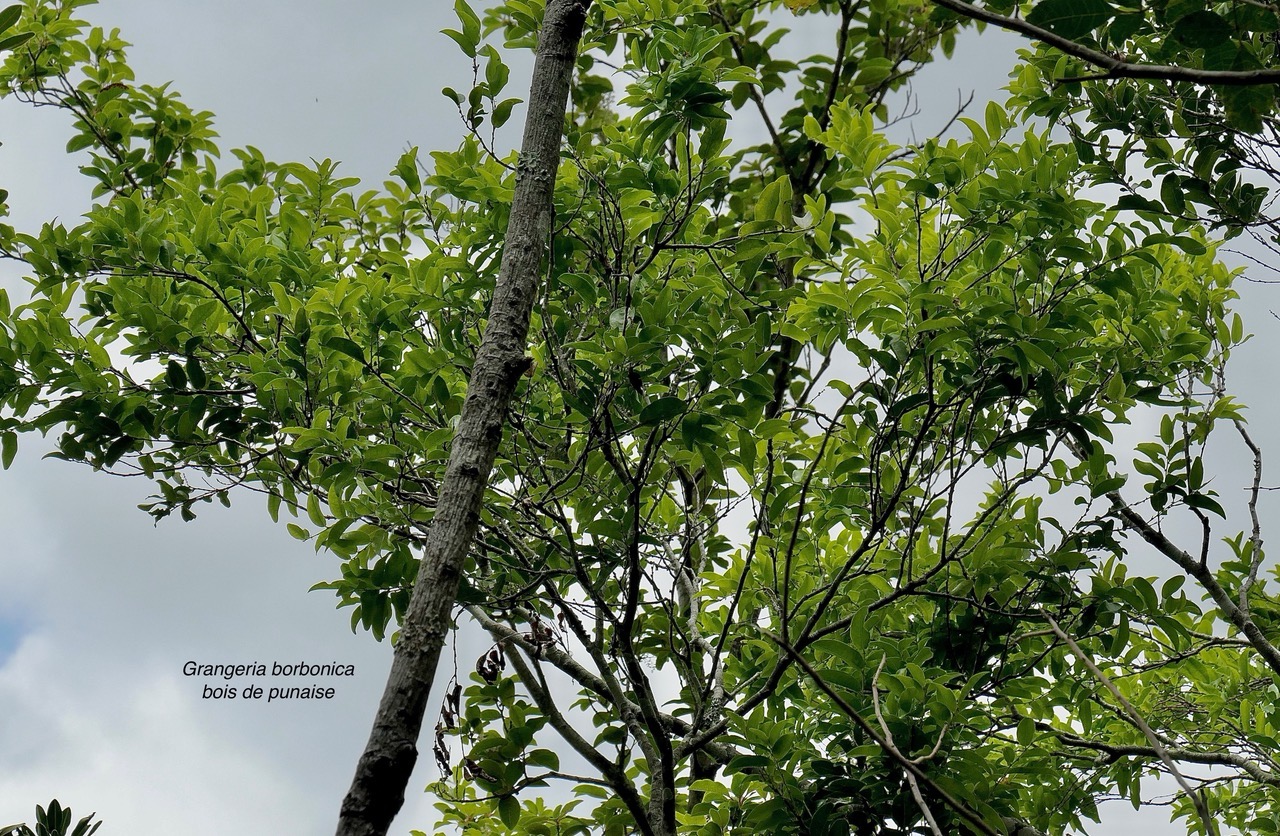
(99, 609)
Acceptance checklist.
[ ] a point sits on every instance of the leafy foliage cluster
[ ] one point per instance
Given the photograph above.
(55, 821)
(810, 499)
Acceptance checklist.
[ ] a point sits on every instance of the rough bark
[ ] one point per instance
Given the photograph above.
(377, 791)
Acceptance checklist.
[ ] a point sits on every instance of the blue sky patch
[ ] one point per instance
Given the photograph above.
(11, 633)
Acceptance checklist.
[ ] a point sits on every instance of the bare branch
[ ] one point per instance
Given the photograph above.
(1255, 535)
(1202, 574)
(954, 803)
(888, 739)
(1196, 798)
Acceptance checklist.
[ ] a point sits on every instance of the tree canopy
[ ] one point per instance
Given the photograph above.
(808, 515)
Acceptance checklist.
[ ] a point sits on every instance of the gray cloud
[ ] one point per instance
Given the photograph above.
(101, 609)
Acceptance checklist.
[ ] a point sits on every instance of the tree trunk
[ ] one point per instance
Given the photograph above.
(377, 791)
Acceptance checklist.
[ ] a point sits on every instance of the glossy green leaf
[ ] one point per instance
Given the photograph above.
(15, 41)
(9, 16)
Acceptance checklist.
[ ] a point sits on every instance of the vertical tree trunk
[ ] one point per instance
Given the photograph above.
(377, 791)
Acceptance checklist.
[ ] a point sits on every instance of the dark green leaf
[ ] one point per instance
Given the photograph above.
(1124, 27)
(1199, 500)
(662, 409)
(10, 16)
(195, 373)
(1070, 18)
(15, 41)
(1202, 30)
(1246, 105)
(346, 346)
(1171, 194)
(1139, 203)
(1106, 486)
(175, 374)
(8, 448)
(509, 810)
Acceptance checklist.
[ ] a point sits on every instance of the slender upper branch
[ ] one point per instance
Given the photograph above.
(1113, 66)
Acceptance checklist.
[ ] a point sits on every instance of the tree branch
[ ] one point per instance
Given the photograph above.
(384, 768)
(977, 822)
(1114, 67)
(1202, 574)
(1197, 800)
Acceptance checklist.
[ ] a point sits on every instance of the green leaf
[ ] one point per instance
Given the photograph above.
(1106, 486)
(175, 375)
(495, 72)
(297, 532)
(8, 449)
(10, 16)
(1202, 30)
(502, 111)
(1246, 105)
(468, 47)
(346, 346)
(774, 203)
(545, 758)
(1070, 18)
(1188, 245)
(1171, 194)
(744, 762)
(509, 810)
(661, 410)
(1026, 731)
(15, 41)
(470, 21)
(407, 169)
(314, 512)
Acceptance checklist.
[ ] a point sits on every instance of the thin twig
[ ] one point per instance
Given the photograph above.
(1196, 798)
(888, 739)
(1255, 535)
(954, 803)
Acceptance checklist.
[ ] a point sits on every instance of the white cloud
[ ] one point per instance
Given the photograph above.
(134, 749)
